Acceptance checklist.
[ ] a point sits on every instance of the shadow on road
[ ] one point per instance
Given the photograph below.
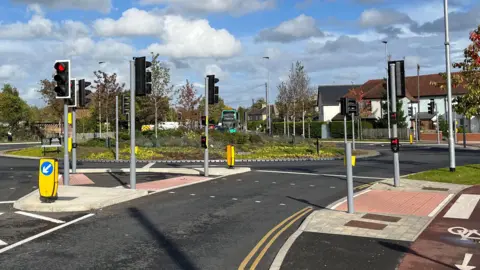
(405, 249)
(182, 261)
(118, 179)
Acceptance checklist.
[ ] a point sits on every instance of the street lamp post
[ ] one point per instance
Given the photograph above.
(451, 143)
(269, 121)
(388, 87)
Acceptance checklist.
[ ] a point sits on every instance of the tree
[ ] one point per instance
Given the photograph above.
(188, 102)
(401, 118)
(107, 88)
(259, 103)
(469, 78)
(9, 89)
(13, 109)
(54, 106)
(161, 91)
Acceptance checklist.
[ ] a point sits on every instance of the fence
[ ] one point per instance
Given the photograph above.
(382, 133)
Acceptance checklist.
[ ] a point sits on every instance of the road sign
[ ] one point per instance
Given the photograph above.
(48, 179)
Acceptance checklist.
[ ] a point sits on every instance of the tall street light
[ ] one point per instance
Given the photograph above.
(388, 95)
(451, 143)
(269, 120)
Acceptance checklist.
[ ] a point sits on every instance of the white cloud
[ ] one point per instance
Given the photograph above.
(134, 22)
(37, 26)
(236, 7)
(8, 72)
(299, 28)
(377, 18)
(101, 5)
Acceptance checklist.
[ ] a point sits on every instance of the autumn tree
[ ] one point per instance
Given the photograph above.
(188, 102)
(54, 107)
(469, 78)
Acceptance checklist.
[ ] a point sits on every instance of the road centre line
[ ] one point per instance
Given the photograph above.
(40, 217)
(272, 240)
(7, 202)
(265, 237)
(45, 233)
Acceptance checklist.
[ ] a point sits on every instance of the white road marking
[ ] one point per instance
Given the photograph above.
(292, 184)
(7, 202)
(282, 204)
(12, 188)
(360, 177)
(149, 165)
(332, 187)
(234, 199)
(440, 206)
(466, 261)
(193, 194)
(312, 185)
(342, 201)
(212, 196)
(274, 182)
(463, 206)
(2, 243)
(1, 213)
(284, 172)
(171, 192)
(40, 217)
(45, 233)
(256, 181)
(239, 180)
(258, 201)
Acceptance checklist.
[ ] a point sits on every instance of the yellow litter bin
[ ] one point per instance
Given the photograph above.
(48, 179)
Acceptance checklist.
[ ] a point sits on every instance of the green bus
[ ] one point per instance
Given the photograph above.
(230, 121)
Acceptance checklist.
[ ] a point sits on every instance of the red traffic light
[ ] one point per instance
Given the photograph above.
(394, 141)
(59, 67)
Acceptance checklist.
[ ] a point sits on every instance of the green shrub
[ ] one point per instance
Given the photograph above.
(254, 138)
(315, 128)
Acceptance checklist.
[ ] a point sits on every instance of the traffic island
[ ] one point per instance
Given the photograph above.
(78, 198)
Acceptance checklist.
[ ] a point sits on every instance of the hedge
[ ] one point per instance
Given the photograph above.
(337, 129)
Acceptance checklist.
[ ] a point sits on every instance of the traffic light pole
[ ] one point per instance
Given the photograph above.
(345, 128)
(353, 131)
(393, 96)
(133, 180)
(116, 128)
(74, 140)
(205, 158)
(66, 165)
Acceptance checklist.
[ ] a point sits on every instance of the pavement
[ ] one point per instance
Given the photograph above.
(404, 227)
(222, 223)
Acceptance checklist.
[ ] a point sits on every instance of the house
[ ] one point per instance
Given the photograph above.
(261, 114)
(374, 93)
(328, 100)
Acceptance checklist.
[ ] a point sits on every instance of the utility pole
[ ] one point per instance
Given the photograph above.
(116, 128)
(419, 123)
(100, 115)
(205, 156)
(388, 90)
(66, 162)
(451, 143)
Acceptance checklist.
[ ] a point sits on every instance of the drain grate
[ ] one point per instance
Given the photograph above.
(381, 218)
(434, 188)
(365, 225)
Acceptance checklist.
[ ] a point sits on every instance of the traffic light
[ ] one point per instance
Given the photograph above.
(212, 89)
(143, 78)
(399, 77)
(410, 111)
(352, 106)
(204, 142)
(343, 106)
(431, 106)
(395, 145)
(393, 118)
(72, 101)
(82, 93)
(62, 77)
(204, 120)
(126, 104)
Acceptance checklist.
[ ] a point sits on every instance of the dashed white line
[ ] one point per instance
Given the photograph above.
(212, 196)
(300, 173)
(149, 165)
(7, 202)
(239, 180)
(45, 233)
(274, 182)
(234, 199)
(171, 192)
(332, 187)
(40, 217)
(360, 177)
(282, 204)
(258, 201)
(312, 185)
(193, 194)
(292, 184)
(256, 181)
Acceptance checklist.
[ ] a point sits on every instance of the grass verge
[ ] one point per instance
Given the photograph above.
(467, 175)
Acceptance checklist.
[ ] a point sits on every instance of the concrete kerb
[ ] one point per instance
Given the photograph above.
(372, 154)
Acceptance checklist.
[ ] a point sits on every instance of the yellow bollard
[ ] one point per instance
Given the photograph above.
(136, 150)
(353, 161)
(411, 139)
(70, 145)
(48, 179)
(230, 156)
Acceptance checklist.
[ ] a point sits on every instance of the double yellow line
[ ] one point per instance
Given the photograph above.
(281, 227)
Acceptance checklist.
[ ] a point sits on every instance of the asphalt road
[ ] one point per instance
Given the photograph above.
(212, 225)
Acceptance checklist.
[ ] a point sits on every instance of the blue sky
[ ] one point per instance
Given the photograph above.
(338, 41)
